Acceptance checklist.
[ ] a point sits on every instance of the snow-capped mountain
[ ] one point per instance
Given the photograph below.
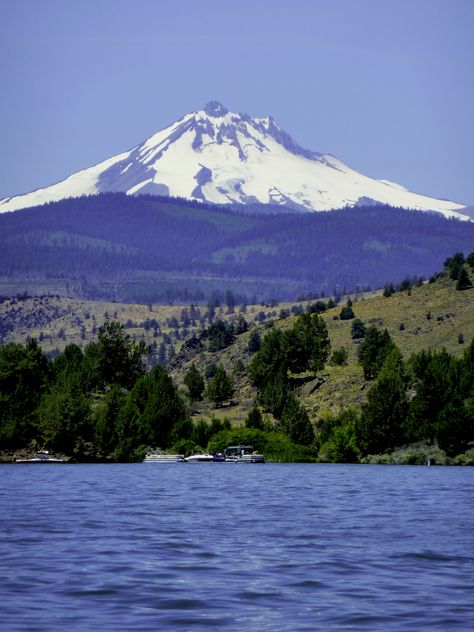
(225, 158)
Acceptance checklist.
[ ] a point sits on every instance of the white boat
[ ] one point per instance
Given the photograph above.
(242, 454)
(41, 457)
(159, 457)
(199, 458)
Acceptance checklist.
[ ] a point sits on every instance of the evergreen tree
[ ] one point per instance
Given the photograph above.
(153, 408)
(373, 351)
(220, 335)
(115, 358)
(463, 280)
(195, 383)
(270, 359)
(357, 329)
(295, 422)
(435, 384)
(454, 428)
(380, 427)
(254, 341)
(24, 375)
(254, 419)
(220, 388)
(454, 265)
(105, 418)
(274, 393)
(338, 437)
(306, 344)
(347, 313)
(65, 418)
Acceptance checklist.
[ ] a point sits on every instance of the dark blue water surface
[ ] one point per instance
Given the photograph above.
(155, 546)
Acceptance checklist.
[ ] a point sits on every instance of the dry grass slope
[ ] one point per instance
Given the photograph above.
(433, 316)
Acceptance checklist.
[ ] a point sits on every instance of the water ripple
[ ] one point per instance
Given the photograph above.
(279, 547)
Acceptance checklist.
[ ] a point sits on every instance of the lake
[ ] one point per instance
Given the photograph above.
(204, 546)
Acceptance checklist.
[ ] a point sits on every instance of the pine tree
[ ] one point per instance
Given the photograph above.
(194, 382)
(380, 427)
(295, 422)
(220, 388)
(254, 419)
(373, 351)
(463, 280)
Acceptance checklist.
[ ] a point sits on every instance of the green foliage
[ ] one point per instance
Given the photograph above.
(455, 428)
(463, 280)
(254, 341)
(150, 413)
(295, 422)
(220, 388)
(306, 345)
(373, 351)
(357, 329)
(338, 439)
(115, 358)
(24, 374)
(211, 369)
(270, 359)
(276, 446)
(221, 335)
(347, 313)
(254, 419)
(202, 432)
(454, 265)
(316, 308)
(65, 418)
(433, 382)
(105, 419)
(240, 326)
(339, 356)
(442, 408)
(195, 383)
(274, 393)
(380, 427)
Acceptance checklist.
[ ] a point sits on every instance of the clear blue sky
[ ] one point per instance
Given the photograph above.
(387, 86)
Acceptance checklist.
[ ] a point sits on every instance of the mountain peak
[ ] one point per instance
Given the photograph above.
(216, 109)
(223, 157)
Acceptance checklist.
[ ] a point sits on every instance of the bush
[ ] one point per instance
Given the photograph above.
(339, 356)
(357, 329)
(347, 313)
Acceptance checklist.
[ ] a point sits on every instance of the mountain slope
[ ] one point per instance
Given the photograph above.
(221, 157)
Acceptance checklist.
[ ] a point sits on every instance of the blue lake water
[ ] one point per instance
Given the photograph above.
(220, 546)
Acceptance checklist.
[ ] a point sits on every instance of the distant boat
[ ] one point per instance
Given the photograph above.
(205, 457)
(199, 458)
(42, 456)
(159, 457)
(242, 454)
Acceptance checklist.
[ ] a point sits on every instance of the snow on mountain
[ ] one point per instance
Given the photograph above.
(220, 157)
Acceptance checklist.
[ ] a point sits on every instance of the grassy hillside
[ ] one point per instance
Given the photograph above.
(431, 316)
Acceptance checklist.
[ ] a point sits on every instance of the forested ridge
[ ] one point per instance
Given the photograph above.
(122, 247)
